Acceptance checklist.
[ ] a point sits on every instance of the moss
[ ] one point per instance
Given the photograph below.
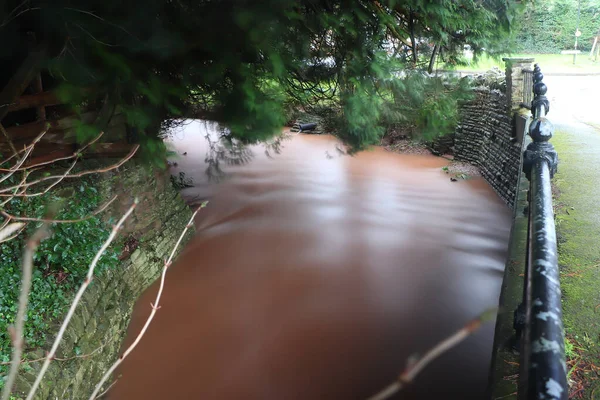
(578, 227)
(99, 325)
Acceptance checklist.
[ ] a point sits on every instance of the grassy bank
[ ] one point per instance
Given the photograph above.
(577, 186)
(551, 63)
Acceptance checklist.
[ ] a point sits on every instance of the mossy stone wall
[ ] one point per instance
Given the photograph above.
(101, 320)
(485, 137)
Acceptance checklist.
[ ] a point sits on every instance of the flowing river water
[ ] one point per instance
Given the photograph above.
(317, 275)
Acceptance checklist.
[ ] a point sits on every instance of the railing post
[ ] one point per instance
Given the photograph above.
(515, 81)
(543, 368)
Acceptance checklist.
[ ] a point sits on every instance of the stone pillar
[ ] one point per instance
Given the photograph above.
(514, 80)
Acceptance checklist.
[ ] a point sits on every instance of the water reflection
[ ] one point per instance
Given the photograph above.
(316, 275)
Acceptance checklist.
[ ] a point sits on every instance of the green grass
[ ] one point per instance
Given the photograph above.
(578, 230)
(553, 63)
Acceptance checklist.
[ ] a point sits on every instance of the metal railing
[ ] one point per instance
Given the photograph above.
(538, 321)
(527, 88)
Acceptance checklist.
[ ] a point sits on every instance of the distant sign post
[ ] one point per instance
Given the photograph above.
(574, 52)
(577, 34)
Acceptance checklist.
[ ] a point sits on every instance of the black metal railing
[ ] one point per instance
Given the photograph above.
(543, 373)
(527, 88)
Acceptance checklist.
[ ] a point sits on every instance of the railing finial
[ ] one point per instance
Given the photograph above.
(541, 129)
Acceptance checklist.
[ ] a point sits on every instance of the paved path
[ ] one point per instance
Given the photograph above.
(575, 112)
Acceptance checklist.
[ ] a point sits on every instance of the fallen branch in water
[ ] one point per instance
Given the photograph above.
(411, 372)
(76, 300)
(155, 306)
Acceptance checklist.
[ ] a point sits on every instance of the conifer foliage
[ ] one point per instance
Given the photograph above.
(246, 63)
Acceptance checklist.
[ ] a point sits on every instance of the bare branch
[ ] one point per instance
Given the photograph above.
(77, 175)
(108, 388)
(7, 21)
(17, 331)
(74, 155)
(76, 301)
(16, 191)
(101, 19)
(97, 349)
(7, 231)
(413, 370)
(10, 143)
(94, 38)
(24, 191)
(2, 162)
(155, 306)
(59, 221)
(22, 160)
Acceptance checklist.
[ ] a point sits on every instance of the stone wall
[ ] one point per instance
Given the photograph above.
(101, 320)
(485, 137)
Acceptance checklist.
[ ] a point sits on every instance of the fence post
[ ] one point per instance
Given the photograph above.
(514, 81)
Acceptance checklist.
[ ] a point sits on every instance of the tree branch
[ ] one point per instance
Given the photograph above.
(155, 306)
(97, 349)
(22, 160)
(74, 155)
(77, 175)
(76, 301)
(412, 371)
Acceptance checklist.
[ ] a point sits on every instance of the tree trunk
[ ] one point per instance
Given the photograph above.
(413, 43)
(432, 59)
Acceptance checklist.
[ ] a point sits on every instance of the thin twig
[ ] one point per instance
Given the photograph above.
(76, 301)
(22, 160)
(77, 175)
(24, 191)
(17, 233)
(102, 19)
(94, 38)
(413, 370)
(108, 388)
(16, 191)
(2, 162)
(155, 306)
(19, 14)
(17, 331)
(10, 143)
(97, 349)
(60, 221)
(8, 230)
(74, 155)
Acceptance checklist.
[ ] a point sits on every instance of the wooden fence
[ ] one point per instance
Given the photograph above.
(19, 128)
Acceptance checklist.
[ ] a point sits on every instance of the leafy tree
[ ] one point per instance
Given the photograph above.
(242, 62)
(549, 26)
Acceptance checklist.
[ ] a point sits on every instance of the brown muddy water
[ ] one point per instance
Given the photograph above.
(316, 275)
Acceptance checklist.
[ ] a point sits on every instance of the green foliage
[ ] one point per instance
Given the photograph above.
(549, 26)
(426, 106)
(61, 262)
(155, 60)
